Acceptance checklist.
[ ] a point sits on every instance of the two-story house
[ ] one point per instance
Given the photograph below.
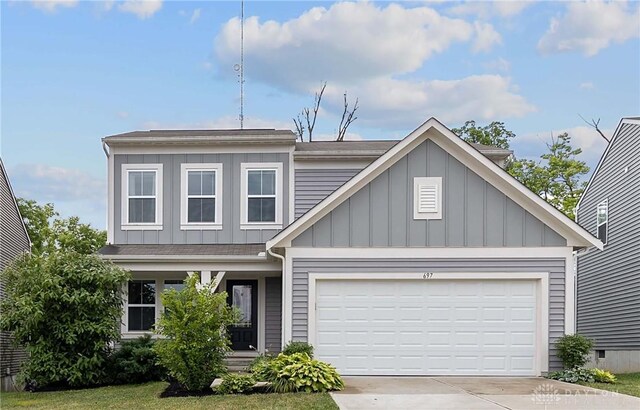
(411, 257)
(608, 296)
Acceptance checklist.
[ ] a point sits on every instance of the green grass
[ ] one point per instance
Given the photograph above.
(627, 384)
(146, 396)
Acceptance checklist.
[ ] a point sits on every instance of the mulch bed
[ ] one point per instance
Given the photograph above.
(174, 389)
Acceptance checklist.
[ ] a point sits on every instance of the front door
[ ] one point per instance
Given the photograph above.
(243, 295)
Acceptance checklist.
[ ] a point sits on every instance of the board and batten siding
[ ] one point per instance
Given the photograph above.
(555, 266)
(314, 185)
(474, 212)
(273, 314)
(171, 232)
(13, 242)
(608, 292)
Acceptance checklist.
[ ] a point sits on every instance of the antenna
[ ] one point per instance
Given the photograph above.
(242, 64)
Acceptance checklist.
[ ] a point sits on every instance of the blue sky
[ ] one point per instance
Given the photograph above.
(75, 71)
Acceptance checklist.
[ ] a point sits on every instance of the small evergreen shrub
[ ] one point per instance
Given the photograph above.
(603, 376)
(234, 383)
(136, 362)
(573, 350)
(298, 347)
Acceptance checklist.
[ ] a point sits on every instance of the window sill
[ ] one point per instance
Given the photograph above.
(201, 227)
(141, 227)
(136, 334)
(260, 226)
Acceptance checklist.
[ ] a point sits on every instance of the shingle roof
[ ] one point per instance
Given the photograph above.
(183, 250)
(268, 136)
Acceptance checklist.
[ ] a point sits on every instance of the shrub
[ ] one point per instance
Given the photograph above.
(136, 362)
(195, 329)
(603, 376)
(573, 350)
(298, 372)
(64, 309)
(260, 362)
(574, 375)
(298, 347)
(233, 383)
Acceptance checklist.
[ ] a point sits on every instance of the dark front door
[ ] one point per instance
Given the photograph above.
(243, 295)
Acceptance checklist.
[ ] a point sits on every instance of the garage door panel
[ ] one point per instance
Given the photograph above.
(470, 328)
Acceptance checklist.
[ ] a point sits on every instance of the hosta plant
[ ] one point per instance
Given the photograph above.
(603, 376)
(233, 383)
(303, 373)
(574, 375)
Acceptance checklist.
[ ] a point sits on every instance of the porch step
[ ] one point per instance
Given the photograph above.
(239, 362)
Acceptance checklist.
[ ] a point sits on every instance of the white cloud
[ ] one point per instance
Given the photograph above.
(143, 9)
(486, 10)
(364, 49)
(589, 27)
(195, 16)
(586, 85)
(499, 64)
(486, 37)
(51, 6)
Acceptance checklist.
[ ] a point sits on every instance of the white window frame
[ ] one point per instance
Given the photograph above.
(184, 197)
(605, 203)
(433, 181)
(244, 199)
(124, 223)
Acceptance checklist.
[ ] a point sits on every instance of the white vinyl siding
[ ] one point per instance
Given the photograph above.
(142, 196)
(201, 196)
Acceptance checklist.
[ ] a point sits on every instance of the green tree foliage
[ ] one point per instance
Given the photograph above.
(65, 310)
(49, 233)
(135, 362)
(194, 327)
(573, 350)
(494, 134)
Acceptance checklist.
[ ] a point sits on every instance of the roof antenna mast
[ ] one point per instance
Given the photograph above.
(241, 64)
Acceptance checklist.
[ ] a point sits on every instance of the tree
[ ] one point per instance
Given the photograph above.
(494, 134)
(64, 309)
(49, 233)
(194, 326)
(347, 118)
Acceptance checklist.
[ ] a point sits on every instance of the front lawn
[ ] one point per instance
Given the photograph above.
(627, 384)
(146, 396)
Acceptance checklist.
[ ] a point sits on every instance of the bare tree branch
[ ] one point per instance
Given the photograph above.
(299, 127)
(311, 115)
(596, 125)
(347, 118)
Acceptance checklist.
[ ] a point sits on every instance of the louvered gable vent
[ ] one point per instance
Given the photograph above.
(427, 198)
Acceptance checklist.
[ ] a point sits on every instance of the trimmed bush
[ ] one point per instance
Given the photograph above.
(234, 383)
(195, 328)
(136, 362)
(298, 347)
(573, 350)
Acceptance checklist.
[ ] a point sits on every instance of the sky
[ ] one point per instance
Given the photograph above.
(74, 71)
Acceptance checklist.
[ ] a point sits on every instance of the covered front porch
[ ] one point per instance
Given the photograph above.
(252, 281)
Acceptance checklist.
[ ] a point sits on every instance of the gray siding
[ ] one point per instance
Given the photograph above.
(171, 232)
(555, 267)
(273, 324)
(13, 242)
(474, 212)
(609, 280)
(314, 185)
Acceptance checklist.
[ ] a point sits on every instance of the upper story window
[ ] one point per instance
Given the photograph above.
(602, 220)
(261, 196)
(427, 198)
(201, 193)
(142, 196)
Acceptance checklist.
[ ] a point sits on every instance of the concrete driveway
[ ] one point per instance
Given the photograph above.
(475, 393)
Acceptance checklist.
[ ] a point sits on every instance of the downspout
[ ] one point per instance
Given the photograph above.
(284, 294)
(108, 155)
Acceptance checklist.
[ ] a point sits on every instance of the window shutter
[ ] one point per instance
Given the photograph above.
(427, 198)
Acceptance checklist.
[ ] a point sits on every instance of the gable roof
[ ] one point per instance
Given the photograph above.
(576, 235)
(5, 176)
(624, 120)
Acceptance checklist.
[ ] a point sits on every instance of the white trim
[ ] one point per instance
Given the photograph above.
(270, 268)
(111, 202)
(201, 149)
(465, 153)
(124, 223)
(15, 203)
(245, 167)
(287, 300)
(604, 156)
(331, 164)
(542, 302)
(292, 190)
(262, 314)
(185, 167)
(605, 203)
(218, 279)
(570, 292)
(433, 252)
(434, 182)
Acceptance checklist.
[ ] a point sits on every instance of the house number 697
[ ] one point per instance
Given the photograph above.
(427, 275)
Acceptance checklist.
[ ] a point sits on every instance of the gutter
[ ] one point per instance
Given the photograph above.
(181, 258)
(285, 297)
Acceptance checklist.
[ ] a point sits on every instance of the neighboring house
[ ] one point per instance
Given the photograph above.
(609, 279)
(14, 241)
(412, 257)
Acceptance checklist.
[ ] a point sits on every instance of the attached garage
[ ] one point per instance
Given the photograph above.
(429, 324)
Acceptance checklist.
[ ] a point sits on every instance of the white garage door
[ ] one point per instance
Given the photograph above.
(428, 327)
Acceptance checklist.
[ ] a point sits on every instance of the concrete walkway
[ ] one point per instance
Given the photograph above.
(475, 393)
